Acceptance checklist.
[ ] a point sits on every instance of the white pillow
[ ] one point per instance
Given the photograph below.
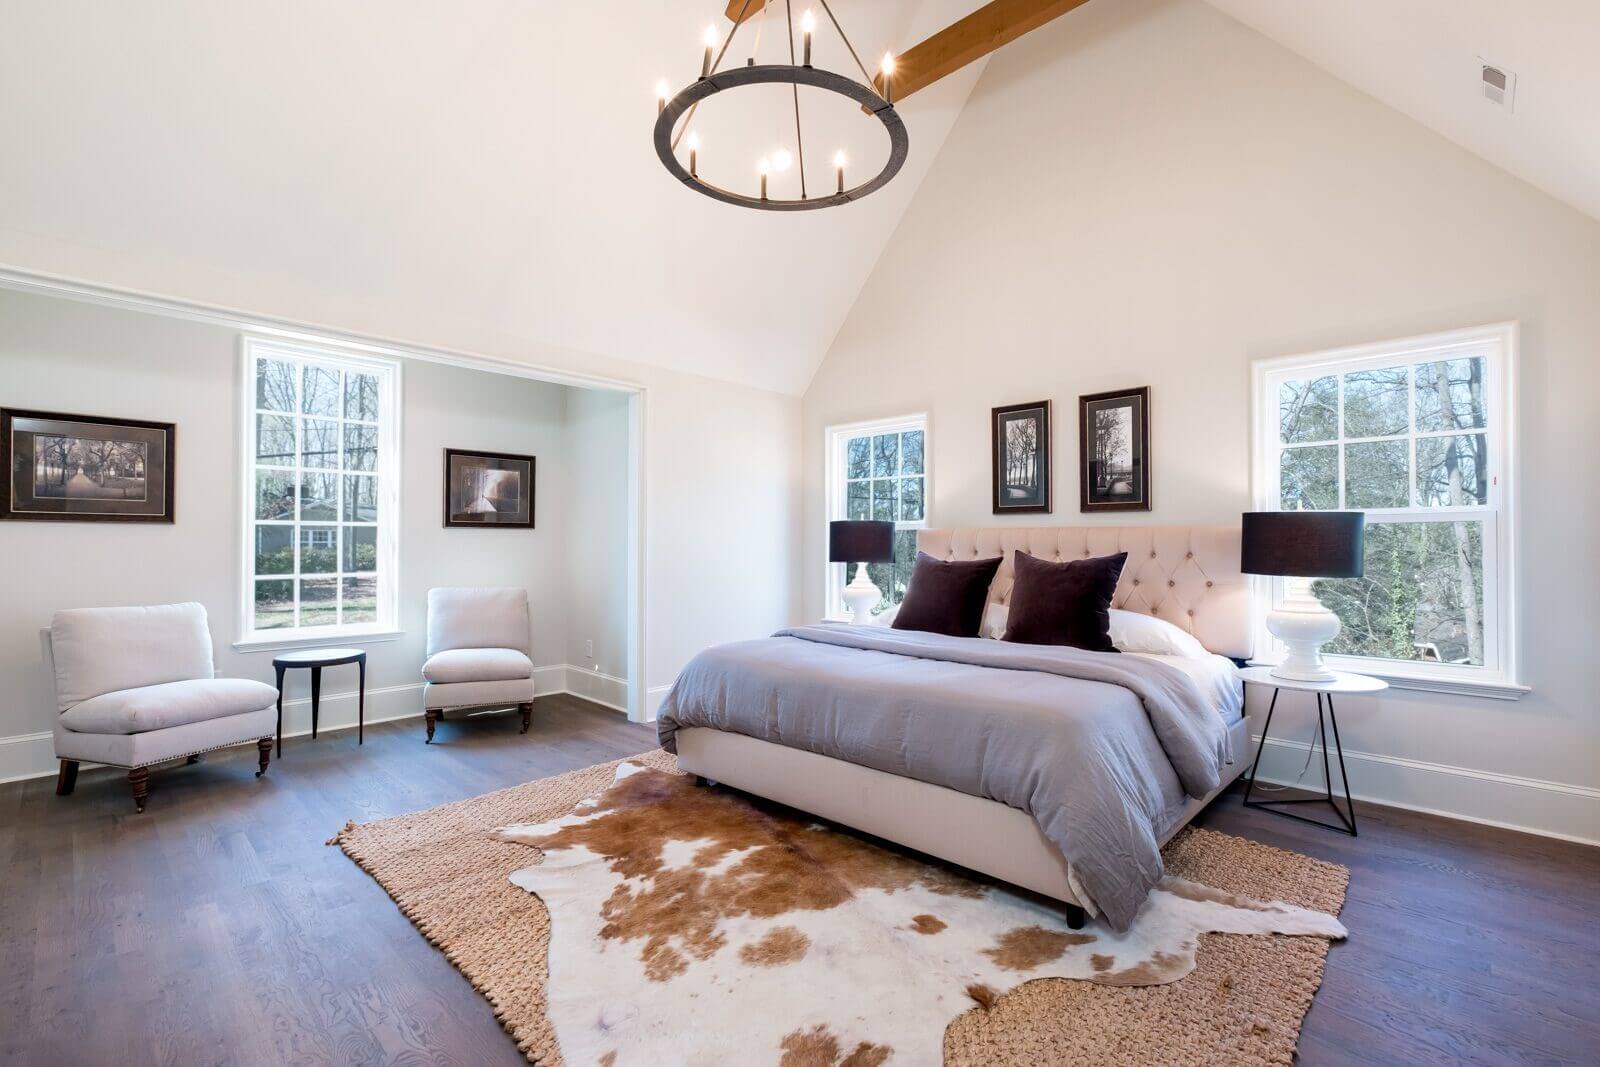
(886, 616)
(994, 621)
(1134, 632)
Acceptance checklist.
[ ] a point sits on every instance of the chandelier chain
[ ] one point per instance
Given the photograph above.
(843, 37)
(799, 141)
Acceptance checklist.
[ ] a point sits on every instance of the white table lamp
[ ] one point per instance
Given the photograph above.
(1300, 546)
(861, 542)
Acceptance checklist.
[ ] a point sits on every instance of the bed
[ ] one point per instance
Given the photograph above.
(733, 724)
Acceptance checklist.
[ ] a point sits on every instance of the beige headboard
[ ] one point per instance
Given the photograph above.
(1187, 575)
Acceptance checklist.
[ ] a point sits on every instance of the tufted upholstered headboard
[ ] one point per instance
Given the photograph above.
(1187, 575)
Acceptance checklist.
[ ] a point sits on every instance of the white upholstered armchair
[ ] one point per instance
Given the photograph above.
(479, 641)
(136, 686)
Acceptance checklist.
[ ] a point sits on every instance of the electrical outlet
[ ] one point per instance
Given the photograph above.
(588, 649)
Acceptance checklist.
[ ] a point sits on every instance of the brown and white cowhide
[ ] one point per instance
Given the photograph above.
(690, 926)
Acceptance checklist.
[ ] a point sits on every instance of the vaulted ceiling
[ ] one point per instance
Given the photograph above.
(492, 160)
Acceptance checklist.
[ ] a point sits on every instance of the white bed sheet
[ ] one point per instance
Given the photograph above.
(1216, 676)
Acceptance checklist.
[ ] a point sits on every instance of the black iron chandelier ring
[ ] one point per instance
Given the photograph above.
(672, 110)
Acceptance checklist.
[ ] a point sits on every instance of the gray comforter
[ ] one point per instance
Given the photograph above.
(1101, 749)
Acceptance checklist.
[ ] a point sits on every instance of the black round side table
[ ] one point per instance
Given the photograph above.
(315, 659)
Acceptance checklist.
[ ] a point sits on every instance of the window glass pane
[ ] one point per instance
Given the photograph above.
(893, 578)
(274, 604)
(274, 385)
(360, 548)
(360, 600)
(274, 495)
(858, 458)
(1421, 597)
(1309, 411)
(320, 448)
(1450, 395)
(361, 448)
(274, 549)
(319, 601)
(885, 455)
(1452, 471)
(1377, 474)
(319, 496)
(360, 498)
(275, 440)
(319, 549)
(1309, 479)
(858, 500)
(361, 397)
(885, 507)
(911, 499)
(320, 391)
(911, 452)
(1375, 402)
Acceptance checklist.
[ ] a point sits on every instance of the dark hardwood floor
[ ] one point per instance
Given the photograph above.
(219, 928)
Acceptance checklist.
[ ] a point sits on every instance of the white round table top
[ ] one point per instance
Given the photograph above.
(1343, 681)
(310, 657)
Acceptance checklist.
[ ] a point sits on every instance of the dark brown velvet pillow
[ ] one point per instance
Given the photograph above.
(1063, 603)
(947, 597)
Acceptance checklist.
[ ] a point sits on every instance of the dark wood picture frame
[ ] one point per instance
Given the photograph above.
(491, 520)
(1038, 501)
(14, 504)
(1092, 495)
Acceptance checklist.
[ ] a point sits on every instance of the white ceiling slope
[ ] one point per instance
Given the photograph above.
(1421, 57)
(491, 162)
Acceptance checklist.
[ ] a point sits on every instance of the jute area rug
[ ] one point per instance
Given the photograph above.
(1243, 1003)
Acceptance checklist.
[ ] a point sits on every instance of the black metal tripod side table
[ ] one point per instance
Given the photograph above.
(1343, 684)
(314, 659)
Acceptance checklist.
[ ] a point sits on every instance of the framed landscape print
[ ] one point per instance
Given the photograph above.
(1020, 436)
(83, 468)
(488, 489)
(1114, 446)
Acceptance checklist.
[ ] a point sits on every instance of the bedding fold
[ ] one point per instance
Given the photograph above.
(1101, 749)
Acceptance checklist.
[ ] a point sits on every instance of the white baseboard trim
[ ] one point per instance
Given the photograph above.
(597, 687)
(1529, 805)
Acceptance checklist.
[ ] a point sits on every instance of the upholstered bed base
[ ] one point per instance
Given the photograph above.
(981, 835)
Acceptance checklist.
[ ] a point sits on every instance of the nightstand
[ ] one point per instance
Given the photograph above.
(1342, 684)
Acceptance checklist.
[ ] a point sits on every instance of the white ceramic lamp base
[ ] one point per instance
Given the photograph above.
(1304, 626)
(862, 596)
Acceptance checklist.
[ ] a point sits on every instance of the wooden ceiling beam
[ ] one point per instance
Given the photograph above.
(994, 24)
(748, 7)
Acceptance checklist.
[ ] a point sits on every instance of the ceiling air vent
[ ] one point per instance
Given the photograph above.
(1499, 86)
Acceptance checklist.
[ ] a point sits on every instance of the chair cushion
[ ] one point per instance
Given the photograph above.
(160, 707)
(477, 665)
(105, 650)
(478, 618)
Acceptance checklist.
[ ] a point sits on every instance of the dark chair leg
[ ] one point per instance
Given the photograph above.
(264, 747)
(1076, 917)
(198, 757)
(139, 779)
(67, 779)
(527, 715)
(432, 716)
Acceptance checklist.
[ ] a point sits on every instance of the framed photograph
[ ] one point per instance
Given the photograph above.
(1114, 446)
(488, 489)
(82, 468)
(1020, 436)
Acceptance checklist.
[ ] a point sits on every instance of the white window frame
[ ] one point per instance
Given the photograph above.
(834, 493)
(387, 471)
(1497, 344)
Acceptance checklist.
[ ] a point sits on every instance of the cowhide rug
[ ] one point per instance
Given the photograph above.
(687, 925)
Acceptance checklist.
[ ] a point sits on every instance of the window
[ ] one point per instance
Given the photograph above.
(879, 470)
(321, 492)
(1417, 435)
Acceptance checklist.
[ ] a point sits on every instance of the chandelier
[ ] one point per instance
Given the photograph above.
(675, 115)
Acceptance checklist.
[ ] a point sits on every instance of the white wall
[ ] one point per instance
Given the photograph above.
(596, 528)
(67, 355)
(1148, 193)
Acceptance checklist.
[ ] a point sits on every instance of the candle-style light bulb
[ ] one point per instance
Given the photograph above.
(711, 43)
(764, 166)
(663, 94)
(781, 159)
(838, 166)
(694, 154)
(808, 25)
(887, 69)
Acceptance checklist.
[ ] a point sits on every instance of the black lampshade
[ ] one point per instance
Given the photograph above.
(860, 542)
(1303, 544)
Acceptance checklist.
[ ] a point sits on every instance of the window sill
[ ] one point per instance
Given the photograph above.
(275, 642)
(1490, 689)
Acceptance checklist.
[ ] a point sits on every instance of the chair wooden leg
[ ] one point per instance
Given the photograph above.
(432, 717)
(264, 748)
(527, 715)
(139, 779)
(67, 779)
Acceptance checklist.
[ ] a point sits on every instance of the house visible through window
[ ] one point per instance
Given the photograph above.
(1415, 435)
(322, 469)
(879, 471)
